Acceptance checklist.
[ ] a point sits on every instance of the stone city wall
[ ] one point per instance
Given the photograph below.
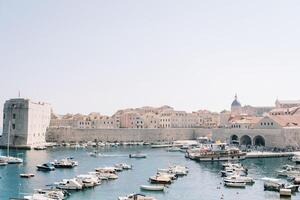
(272, 137)
(65, 134)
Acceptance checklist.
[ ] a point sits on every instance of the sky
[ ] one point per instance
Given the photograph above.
(101, 56)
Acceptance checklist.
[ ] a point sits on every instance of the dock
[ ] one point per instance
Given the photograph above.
(259, 154)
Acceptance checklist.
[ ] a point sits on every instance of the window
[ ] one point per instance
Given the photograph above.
(3, 115)
(271, 123)
(14, 116)
(14, 126)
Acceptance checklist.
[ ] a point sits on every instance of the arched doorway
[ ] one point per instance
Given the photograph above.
(259, 141)
(234, 139)
(245, 140)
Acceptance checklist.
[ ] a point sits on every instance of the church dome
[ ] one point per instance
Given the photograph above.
(236, 103)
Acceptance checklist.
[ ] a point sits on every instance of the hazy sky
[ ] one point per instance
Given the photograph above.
(84, 56)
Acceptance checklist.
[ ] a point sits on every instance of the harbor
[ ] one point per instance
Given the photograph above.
(202, 181)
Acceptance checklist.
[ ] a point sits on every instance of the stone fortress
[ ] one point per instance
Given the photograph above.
(30, 124)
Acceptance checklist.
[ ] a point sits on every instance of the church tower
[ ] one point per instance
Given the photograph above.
(236, 107)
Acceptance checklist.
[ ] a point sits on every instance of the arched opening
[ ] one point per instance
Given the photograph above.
(234, 139)
(259, 141)
(246, 140)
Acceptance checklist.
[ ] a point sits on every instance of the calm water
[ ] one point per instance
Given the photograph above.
(201, 182)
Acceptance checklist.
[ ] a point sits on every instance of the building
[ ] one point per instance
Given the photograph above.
(285, 111)
(207, 119)
(243, 122)
(224, 118)
(25, 123)
(238, 109)
(177, 119)
(287, 103)
(131, 120)
(151, 120)
(278, 122)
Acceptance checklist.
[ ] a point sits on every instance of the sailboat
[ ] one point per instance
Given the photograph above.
(10, 159)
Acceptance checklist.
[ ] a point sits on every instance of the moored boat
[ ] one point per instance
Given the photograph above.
(26, 175)
(136, 197)
(152, 187)
(137, 155)
(46, 167)
(161, 179)
(69, 184)
(235, 184)
(216, 152)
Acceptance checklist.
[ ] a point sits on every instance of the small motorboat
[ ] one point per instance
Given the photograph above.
(272, 184)
(69, 184)
(161, 179)
(137, 155)
(53, 193)
(285, 192)
(246, 179)
(123, 166)
(235, 184)
(153, 187)
(26, 175)
(46, 167)
(65, 163)
(136, 197)
(38, 148)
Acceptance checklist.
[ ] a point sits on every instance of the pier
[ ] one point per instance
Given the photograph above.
(260, 154)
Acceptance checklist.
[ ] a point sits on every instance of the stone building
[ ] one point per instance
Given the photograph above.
(151, 120)
(131, 120)
(207, 119)
(177, 119)
(287, 103)
(238, 109)
(25, 123)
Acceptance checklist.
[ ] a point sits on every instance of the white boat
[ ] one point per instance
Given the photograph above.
(216, 152)
(88, 180)
(162, 179)
(52, 193)
(272, 184)
(246, 179)
(65, 163)
(285, 192)
(26, 175)
(136, 197)
(10, 160)
(235, 184)
(40, 197)
(153, 187)
(40, 148)
(106, 169)
(123, 166)
(69, 184)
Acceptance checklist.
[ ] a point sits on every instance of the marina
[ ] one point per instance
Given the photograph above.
(202, 180)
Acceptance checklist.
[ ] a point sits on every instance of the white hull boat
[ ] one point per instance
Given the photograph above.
(153, 187)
